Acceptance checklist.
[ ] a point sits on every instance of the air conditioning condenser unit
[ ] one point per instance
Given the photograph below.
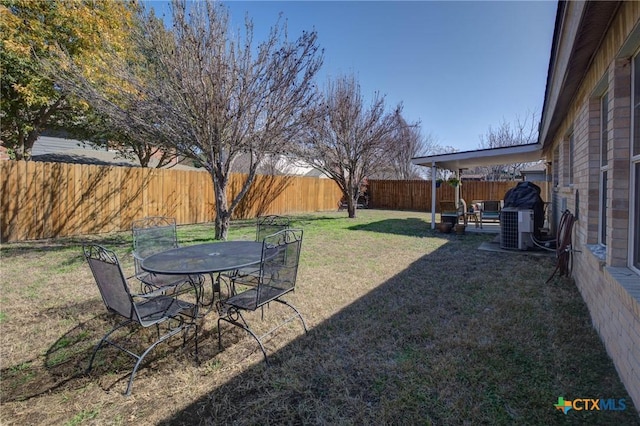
(516, 228)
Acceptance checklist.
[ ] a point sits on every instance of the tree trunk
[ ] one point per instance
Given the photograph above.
(223, 217)
(352, 205)
(222, 225)
(351, 208)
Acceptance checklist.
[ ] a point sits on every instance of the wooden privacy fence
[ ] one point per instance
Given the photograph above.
(47, 200)
(416, 194)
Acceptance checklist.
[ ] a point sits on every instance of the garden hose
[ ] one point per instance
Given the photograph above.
(564, 250)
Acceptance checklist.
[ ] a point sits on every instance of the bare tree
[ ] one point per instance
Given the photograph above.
(437, 149)
(406, 143)
(210, 96)
(520, 133)
(348, 141)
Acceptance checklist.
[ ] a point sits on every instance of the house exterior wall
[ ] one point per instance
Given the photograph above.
(534, 176)
(610, 288)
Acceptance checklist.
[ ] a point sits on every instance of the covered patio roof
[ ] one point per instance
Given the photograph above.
(457, 161)
(484, 157)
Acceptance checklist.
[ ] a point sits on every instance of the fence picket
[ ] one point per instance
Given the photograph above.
(48, 200)
(416, 194)
(44, 200)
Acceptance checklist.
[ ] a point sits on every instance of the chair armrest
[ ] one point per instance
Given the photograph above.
(151, 294)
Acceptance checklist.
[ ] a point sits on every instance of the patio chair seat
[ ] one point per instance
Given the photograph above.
(250, 300)
(161, 280)
(145, 310)
(276, 278)
(157, 309)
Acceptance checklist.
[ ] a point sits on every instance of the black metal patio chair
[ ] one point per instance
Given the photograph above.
(265, 225)
(276, 277)
(143, 310)
(151, 235)
(490, 210)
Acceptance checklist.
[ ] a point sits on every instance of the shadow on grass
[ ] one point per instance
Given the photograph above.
(63, 366)
(64, 362)
(459, 336)
(116, 241)
(412, 226)
(436, 343)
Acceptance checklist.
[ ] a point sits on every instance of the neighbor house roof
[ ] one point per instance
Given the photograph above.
(63, 150)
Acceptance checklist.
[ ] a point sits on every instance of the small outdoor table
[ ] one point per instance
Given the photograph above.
(210, 258)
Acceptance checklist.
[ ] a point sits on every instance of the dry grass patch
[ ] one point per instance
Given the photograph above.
(406, 326)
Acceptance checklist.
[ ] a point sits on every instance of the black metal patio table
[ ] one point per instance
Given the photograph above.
(210, 258)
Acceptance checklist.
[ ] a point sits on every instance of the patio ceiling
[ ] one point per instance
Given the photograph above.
(483, 157)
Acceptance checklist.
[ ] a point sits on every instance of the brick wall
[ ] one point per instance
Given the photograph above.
(615, 313)
(609, 288)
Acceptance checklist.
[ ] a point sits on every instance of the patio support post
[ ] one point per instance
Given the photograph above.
(457, 188)
(434, 175)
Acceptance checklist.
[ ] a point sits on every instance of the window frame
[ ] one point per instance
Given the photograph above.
(634, 168)
(603, 169)
(571, 158)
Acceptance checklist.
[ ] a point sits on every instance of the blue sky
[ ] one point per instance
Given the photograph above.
(458, 67)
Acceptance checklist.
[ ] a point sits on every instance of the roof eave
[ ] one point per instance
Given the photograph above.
(483, 157)
(579, 32)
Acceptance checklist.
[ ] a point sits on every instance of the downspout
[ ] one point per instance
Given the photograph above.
(433, 194)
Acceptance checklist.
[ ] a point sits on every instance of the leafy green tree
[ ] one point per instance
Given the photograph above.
(30, 100)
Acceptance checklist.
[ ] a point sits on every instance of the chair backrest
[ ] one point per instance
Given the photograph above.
(267, 225)
(152, 235)
(110, 280)
(448, 207)
(491, 206)
(279, 264)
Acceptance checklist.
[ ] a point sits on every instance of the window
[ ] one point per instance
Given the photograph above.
(604, 150)
(635, 226)
(571, 159)
(555, 168)
(567, 159)
(634, 214)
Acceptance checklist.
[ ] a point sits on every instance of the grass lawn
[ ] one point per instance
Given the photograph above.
(406, 326)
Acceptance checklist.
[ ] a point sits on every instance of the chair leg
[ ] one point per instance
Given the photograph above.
(298, 314)
(242, 325)
(139, 358)
(172, 332)
(104, 340)
(229, 317)
(193, 324)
